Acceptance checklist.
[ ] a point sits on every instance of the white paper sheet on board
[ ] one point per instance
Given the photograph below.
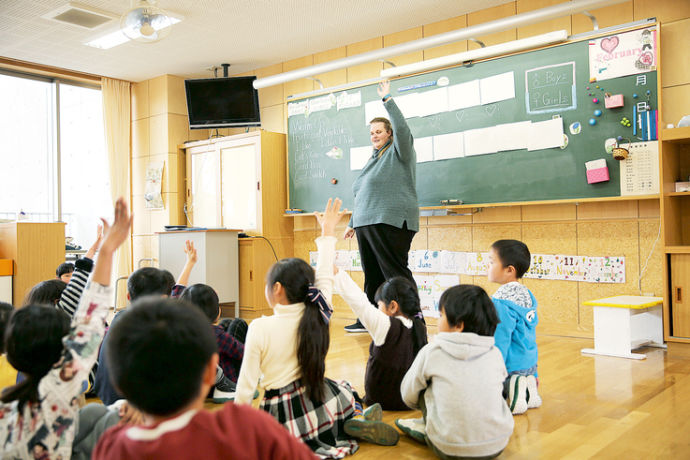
(409, 105)
(512, 136)
(374, 109)
(359, 156)
(545, 134)
(463, 95)
(480, 141)
(447, 146)
(297, 108)
(424, 148)
(497, 88)
(434, 101)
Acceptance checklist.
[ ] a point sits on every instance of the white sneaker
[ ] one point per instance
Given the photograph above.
(517, 394)
(413, 427)
(533, 398)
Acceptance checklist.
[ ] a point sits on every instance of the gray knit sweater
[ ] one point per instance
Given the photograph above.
(385, 191)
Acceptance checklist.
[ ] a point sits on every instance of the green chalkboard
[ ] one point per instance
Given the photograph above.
(549, 82)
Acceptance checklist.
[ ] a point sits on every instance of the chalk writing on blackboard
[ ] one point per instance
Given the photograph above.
(550, 88)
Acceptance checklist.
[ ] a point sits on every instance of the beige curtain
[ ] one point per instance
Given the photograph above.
(117, 122)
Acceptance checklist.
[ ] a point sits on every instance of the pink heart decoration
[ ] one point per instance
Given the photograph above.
(609, 44)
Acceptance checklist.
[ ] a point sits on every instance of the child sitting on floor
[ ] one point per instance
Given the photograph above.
(230, 349)
(457, 381)
(398, 332)
(162, 336)
(37, 415)
(515, 334)
(290, 347)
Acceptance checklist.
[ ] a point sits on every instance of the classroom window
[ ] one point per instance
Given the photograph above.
(54, 164)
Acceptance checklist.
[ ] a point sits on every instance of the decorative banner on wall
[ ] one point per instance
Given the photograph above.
(152, 190)
(623, 54)
(607, 269)
(430, 289)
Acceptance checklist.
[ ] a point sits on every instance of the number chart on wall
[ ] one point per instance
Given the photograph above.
(541, 125)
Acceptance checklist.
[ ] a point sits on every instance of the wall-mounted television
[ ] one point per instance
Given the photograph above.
(222, 102)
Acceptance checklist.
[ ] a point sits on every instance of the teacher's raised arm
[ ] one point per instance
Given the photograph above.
(386, 213)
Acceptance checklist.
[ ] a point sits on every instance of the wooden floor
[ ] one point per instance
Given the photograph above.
(594, 407)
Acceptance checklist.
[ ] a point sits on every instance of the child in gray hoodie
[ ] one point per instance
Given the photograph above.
(457, 382)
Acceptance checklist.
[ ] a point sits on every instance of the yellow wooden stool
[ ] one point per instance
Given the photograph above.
(625, 322)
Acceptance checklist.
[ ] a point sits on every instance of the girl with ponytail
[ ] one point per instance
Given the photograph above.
(288, 350)
(398, 332)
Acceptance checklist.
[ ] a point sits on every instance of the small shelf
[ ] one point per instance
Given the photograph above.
(677, 250)
(677, 194)
(676, 135)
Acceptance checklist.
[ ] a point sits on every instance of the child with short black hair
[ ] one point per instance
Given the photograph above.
(8, 374)
(38, 414)
(64, 271)
(515, 335)
(168, 336)
(457, 381)
(230, 349)
(398, 332)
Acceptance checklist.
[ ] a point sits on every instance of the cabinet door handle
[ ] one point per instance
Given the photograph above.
(679, 294)
(251, 275)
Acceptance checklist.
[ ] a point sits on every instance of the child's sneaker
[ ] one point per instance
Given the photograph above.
(373, 413)
(224, 391)
(533, 398)
(373, 431)
(413, 427)
(517, 394)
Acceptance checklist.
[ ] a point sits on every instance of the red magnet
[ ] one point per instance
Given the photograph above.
(334, 181)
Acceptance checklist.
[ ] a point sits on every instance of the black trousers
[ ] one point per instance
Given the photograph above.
(383, 250)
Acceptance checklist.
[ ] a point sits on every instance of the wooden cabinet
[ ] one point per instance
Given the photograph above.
(36, 249)
(675, 215)
(679, 292)
(241, 182)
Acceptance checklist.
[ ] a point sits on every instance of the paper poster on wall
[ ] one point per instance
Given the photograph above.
(463, 95)
(373, 110)
(550, 88)
(424, 148)
(480, 141)
(627, 53)
(319, 104)
(605, 270)
(542, 266)
(447, 146)
(545, 134)
(152, 192)
(497, 88)
(297, 108)
(511, 136)
(347, 100)
(359, 157)
(435, 101)
(430, 288)
(640, 171)
(476, 263)
(410, 105)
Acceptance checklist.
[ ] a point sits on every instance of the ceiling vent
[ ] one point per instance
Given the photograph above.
(79, 15)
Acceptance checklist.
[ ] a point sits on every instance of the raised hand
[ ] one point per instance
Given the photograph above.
(190, 251)
(116, 234)
(384, 88)
(96, 244)
(330, 217)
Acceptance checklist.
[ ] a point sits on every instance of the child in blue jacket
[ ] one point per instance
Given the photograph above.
(515, 334)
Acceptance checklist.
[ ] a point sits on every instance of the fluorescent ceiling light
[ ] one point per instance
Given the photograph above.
(117, 37)
(480, 53)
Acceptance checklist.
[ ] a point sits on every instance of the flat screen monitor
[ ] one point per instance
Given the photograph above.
(222, 102)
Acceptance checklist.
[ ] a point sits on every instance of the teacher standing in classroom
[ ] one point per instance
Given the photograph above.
(386, 213)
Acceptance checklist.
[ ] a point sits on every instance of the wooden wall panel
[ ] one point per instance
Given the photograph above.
(606, 17)
(335, 77)
(402, 37)
(447, 25)
(541, 27)
(303, 84)
(368, 70)
(614, 239)
(652, 280)
(675, 64)
(491, 14)
(140, 100)
(455, 238)
(607, 210)
(548, 212)
(676, 100)
(484, 235)
(273, 95)
(663, 10)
